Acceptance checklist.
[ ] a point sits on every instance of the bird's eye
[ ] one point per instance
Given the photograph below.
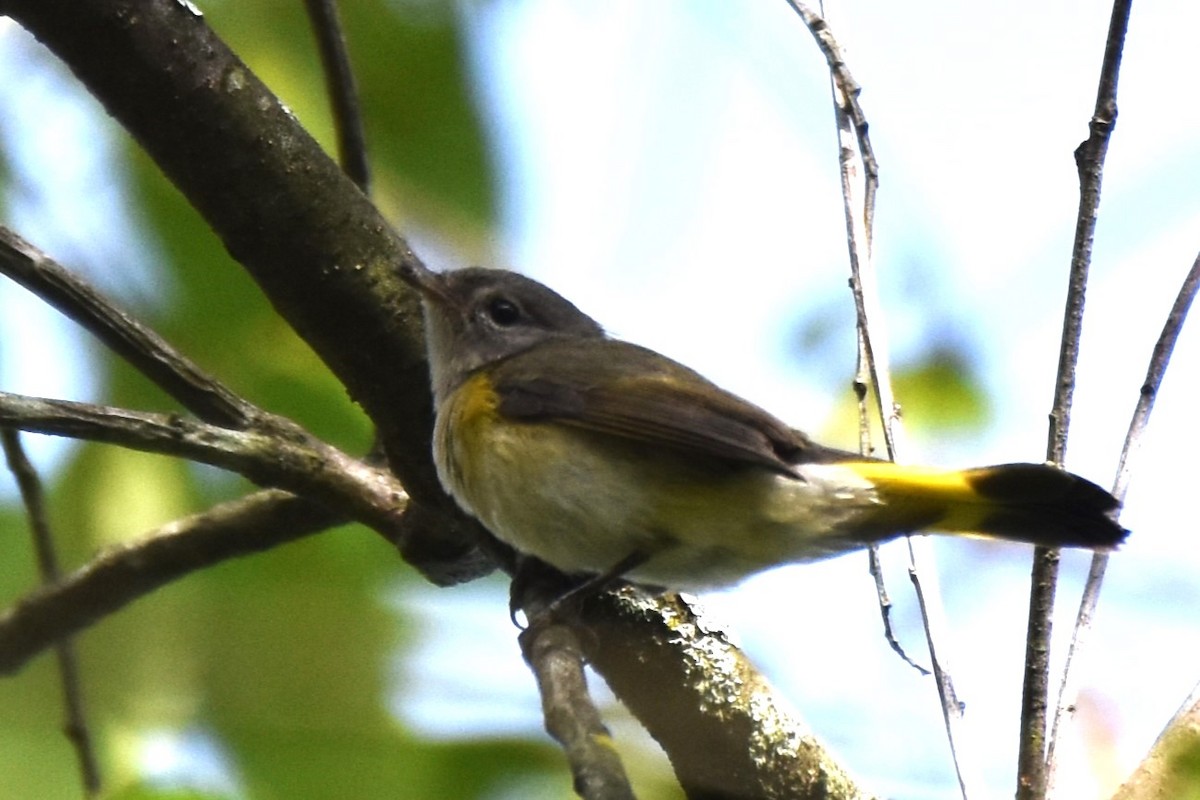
(503, 312)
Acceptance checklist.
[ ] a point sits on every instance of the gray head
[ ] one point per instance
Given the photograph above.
(475, 316)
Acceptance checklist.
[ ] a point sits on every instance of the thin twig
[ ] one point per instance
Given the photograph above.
(856, 156)
(1160, 358)
(123, 574)
(75, 726)
(874, 564)
(343, 91)
(553, 652)
(1089, 159)
(848, 105)
(144, 349)
(276, 453)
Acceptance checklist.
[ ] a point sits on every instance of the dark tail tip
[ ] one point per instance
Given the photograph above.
(1048, 506)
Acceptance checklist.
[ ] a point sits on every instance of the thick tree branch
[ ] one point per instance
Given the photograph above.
(727, 733)
(1169, 770)
(316, 245)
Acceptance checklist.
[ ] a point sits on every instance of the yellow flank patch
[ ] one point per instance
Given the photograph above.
(462, 426)
(475, 401)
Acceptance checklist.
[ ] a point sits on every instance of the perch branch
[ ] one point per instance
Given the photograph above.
(1168, 771)
(553, 652)
(726, 731)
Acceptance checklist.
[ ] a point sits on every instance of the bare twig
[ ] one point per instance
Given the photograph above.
(848, 104)
(277, 454)
(148, 352)
(119, 576)
(1089, 159)
(552, 648)
(1031, 773)
(856, 157)
(76, 727)
(1160, 358)
(554, 654)
(343, 91)
(874, 565)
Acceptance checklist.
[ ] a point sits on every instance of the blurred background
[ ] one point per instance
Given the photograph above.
(672, 168)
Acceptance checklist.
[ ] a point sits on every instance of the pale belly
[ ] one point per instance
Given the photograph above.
(583, 502)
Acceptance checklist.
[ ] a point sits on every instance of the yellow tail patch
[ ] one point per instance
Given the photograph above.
(1035, 503)
(927, 498)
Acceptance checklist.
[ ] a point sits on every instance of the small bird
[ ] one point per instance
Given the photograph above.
(603, 458)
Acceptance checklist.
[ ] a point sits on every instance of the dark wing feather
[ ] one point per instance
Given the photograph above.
(624, 390)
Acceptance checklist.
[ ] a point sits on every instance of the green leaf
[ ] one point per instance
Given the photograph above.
(942, 393)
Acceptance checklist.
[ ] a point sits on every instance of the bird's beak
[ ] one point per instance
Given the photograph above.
(429, 284)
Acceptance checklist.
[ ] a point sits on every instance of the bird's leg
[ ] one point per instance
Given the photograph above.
(563, 589)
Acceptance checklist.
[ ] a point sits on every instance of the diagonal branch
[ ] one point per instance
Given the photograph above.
(279, 455)
(1169, 770)
(555, 655)
(1159, 359)
(318, 248)
(727, 733)
(148, 352)
(119, 576)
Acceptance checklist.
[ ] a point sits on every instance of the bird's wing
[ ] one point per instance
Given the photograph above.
(623, 390)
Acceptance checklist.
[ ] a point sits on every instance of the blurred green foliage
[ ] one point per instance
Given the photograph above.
(279, 660)
(941, 395)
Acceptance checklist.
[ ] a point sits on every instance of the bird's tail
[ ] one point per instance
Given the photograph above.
(1035, 503)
